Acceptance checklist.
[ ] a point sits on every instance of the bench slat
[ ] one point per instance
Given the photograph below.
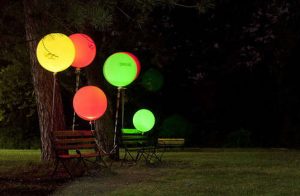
(75, 140)
(75, 146)
(134, 137)
(83, 155)
(73, 133)
(171, 141)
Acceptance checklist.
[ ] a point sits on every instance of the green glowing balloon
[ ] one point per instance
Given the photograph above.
(120, 69)
(143, 120)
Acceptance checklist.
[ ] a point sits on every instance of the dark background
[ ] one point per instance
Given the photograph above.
(224, 76)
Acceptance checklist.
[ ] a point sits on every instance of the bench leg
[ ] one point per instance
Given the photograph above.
(55, 168)
(64, 166)
(127, 153)
(154, 155)
(139, 155)
(100, 160)
(124, 158)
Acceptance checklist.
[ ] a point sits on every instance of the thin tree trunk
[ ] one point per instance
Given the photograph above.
(104, 125)
(43, 84)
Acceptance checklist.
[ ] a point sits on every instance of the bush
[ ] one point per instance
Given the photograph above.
(16, 138)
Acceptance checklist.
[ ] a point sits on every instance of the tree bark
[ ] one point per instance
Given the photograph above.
(104, 125)
(43, 84)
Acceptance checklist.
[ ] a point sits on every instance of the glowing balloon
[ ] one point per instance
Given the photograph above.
(143, 120)
(55, 52)
(120, 69)
(137, 62)
(152, 80)
(85, 50)
(90, 103)
(175, 125)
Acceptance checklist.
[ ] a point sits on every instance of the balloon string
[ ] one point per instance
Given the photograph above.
(53, 99)
(77, 71)
(123, 94)
(49, 55)
(117, 116)
(91, 125)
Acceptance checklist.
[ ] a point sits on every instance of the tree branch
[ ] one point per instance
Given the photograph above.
(185, 6)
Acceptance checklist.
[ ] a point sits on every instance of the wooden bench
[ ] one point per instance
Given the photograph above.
(171, 142)
(80, 145)
(167, 143)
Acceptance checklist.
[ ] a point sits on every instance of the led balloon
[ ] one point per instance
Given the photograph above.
(90, 103)
(85, 50)
(120, 69)
(152, 80)
(55, 52)
(143, 120)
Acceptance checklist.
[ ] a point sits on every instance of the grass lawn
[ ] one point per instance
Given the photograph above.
(189, 172)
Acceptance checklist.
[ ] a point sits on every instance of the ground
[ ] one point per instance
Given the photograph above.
(188, 172)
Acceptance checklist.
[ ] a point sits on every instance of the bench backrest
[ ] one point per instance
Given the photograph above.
(171, 142)
(73, 140)
(135, 140)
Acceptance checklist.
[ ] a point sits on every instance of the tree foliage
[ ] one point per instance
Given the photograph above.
(18, 128)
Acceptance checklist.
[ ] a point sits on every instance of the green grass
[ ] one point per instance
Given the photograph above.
(206, 172)
(192, 172)
(10, 159)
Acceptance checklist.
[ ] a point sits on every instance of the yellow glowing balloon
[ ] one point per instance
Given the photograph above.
(55, 52)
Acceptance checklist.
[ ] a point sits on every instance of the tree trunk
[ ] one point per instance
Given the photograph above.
(43, 84)
(104, 125)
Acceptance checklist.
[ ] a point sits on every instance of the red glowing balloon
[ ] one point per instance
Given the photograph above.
(85, 50)
(137, 62)
(90, 103)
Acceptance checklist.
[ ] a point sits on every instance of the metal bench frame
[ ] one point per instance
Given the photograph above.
(142, 145)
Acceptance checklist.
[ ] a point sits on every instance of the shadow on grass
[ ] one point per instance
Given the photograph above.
(35, 178)
(30, 179)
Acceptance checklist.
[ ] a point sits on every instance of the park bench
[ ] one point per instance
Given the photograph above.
(136, 146)
(80, 145)
(168, 143)
(171, 142)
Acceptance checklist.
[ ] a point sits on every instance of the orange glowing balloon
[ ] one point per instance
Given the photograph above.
(90, 103)
(137, 62)
(85, 50)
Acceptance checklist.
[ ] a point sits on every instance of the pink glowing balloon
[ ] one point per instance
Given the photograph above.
(85, 50)
(137, 62)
